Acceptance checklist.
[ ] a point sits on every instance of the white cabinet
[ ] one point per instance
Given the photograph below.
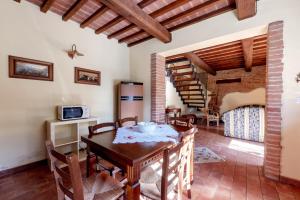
(66, 135)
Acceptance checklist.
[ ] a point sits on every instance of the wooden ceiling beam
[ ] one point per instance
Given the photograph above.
(220, 53)
(223, 58)
(154, 14)
(119, 18)
(172, 19)
(46, 5)
(179, 26)
(73, 10)
(182, 25)
(189, 12)
(129, 10)
(248, 53)
(145, 3)
(94, 16)
(121, 31)
(245, 8)
(140, 41)
(110, 24)
(200, 63)
(228, 50)
(132, 36)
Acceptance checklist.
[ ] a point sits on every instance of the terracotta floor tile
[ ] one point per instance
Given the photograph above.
(239, 177)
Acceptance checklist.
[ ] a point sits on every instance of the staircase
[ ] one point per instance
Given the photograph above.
(190, 83)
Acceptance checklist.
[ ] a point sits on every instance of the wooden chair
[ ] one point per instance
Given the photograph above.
(172, 112)
(70, 184)
(192, 117)
(180, 121)
(176, 171)
(211, 116)
(92, 158)
(128, 121)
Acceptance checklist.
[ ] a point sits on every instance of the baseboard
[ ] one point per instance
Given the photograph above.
(15, 170)
(290, 181)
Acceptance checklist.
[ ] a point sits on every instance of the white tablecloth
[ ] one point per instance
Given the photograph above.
(162, 133)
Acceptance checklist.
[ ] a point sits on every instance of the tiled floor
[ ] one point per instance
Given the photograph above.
(238, 178)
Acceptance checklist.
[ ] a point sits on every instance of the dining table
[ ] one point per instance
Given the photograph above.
(132, 158)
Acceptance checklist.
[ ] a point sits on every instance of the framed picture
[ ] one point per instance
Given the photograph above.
(30, 69)
(87, 76)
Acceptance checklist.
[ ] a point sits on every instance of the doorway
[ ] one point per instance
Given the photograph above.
(273, 97)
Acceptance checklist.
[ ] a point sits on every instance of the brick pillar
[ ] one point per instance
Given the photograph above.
(158, 88)
(273, 97)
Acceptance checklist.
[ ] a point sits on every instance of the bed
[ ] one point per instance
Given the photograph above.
(247, 122)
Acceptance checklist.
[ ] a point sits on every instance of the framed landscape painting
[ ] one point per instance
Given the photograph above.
(87, 76)
(30, 69)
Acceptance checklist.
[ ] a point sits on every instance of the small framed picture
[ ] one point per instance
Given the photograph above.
(87, 76)
(30, 69)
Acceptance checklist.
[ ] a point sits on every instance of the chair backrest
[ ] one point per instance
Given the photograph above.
(211, 113)
(180, 121)
(192, 117)
(176, 112)
(68, 179)
(100, 128)
(49, 148)
(175, 159)
(128, 121)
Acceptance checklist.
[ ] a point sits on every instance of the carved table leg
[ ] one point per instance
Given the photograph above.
(133, 185)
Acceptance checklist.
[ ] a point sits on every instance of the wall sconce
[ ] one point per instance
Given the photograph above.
(73, 52)
(298, 78)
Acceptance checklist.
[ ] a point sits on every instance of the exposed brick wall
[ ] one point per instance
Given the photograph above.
(273, 107)
(249, 81)
(158, 88)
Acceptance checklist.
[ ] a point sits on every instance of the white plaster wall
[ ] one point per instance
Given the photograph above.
(25, 105)
(268, 11)
(172, 97)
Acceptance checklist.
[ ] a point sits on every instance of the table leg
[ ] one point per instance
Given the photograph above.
(192, 165)
(87, 161)
(133, 185)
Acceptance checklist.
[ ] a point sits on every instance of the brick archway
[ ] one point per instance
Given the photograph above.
(273, 97)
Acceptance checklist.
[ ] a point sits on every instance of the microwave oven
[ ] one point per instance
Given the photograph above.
(73, 112)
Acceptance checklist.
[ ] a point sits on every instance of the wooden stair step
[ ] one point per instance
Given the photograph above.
(180, 67)
(189, 90)
(176, 60)
(182, 73)
(191, 94)
(196, 99)
(190, 84)
(193, 101)
(195, 105)
(189, 101)
(184, 79)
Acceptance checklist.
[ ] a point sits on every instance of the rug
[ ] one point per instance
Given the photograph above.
(205, 155)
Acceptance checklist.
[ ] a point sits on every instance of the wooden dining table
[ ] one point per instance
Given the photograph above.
(130, 157)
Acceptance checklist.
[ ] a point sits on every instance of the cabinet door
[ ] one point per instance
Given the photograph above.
(131, 109)
(131, 90)
(131, 101)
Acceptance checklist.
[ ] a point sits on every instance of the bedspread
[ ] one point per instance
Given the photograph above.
(245, 123)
